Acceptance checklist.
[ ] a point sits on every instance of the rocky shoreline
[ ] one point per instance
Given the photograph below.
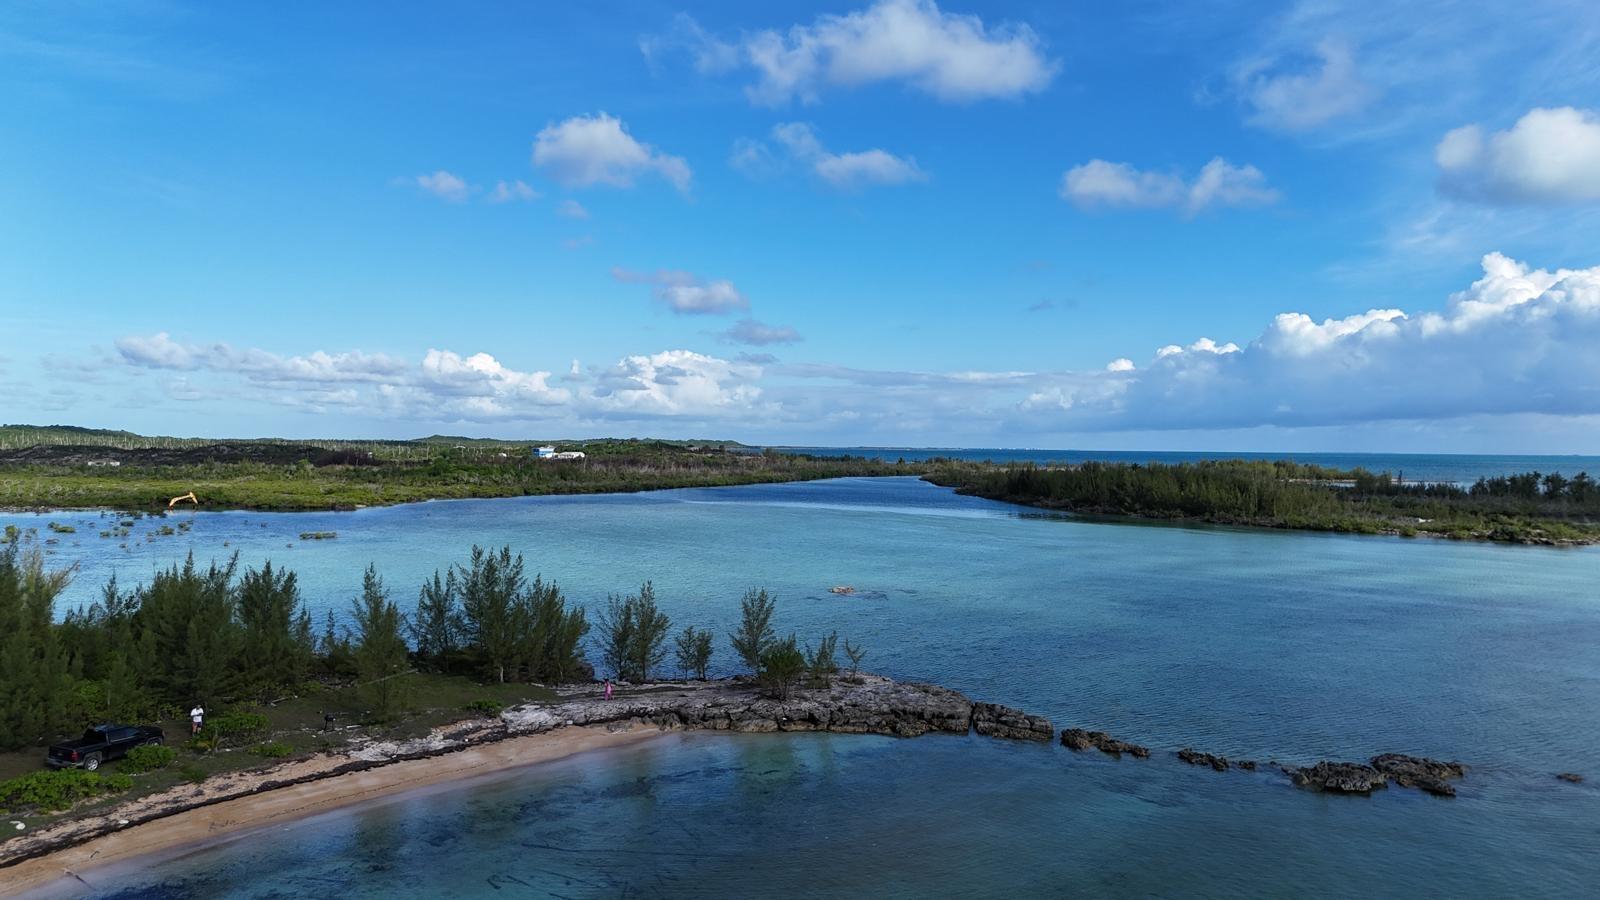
(864, 704)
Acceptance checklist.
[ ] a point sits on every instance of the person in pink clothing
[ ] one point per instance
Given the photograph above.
(608, 689)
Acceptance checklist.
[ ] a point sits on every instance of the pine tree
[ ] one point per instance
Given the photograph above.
(755, 634)
(379, 646)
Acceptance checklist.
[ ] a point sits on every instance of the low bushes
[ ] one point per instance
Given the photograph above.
(57, 789)
(147, 759)
(272, 749)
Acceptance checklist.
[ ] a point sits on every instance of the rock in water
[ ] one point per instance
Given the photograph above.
(1572, 777)
(1249, 765)
(1420, 772)
(1339, 777)
(994, 720)
(1195, 758)
(1079, 739)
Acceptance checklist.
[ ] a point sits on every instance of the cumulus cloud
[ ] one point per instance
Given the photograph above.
(1519, 340)
(955, 58)
(675, 383)
(588, 150)
(687, 293)
(1098, 184)
(800, 145)
(444, 185)
(507, 191)
(760, 334)
(1550, 156)
(1299, 94)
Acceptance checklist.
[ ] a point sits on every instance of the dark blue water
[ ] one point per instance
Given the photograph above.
(1458, 468)
(1260, 644)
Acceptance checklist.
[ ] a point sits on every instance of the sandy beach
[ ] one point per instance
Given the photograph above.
(277, 806)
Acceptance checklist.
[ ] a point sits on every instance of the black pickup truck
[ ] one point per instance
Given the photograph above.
(101, 744)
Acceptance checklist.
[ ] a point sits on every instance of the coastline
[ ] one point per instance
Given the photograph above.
(520, 736)
(236, 816)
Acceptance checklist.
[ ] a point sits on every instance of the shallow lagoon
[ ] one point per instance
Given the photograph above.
(1250, 643)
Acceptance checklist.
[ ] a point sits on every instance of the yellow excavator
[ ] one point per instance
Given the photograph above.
(189, 497)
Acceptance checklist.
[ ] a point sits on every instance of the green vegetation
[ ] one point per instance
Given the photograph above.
(318, 535)
(1531, 508)
(633, 634)
(782, 666)
(242, 646)
(63, 468)
(755, 634)
(822, 663)
(380, 646)
(57, 789)
(147, 758)
(693, 651)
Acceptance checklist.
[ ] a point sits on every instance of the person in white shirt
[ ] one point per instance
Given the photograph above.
(196, 716)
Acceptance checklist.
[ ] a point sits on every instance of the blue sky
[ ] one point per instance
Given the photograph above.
(1200, 225)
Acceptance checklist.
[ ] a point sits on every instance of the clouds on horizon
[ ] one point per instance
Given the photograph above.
(1519, 341)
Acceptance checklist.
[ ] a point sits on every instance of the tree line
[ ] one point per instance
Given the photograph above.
(219, 635)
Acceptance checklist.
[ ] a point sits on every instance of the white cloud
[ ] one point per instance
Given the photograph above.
(507, 191)
(845, 171)
(760, 334)
(587, 150)
(1550, 156)
(572, 209)
(687, 293)
(678, 383)
(160, 351)
(1298, 94)
(1101, 184)
(955, 58)
(156, 351)
(444, 185)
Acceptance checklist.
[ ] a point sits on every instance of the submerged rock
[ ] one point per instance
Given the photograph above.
(994, 720)
(1572, 777)
(1420, 772)
(1249, 765)
(1339, 777)
(1195, 758)
(1079, 739)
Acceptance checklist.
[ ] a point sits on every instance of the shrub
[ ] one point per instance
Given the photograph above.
(57, 789)
(147, 759)
(272, 749)
(201, 744)
(486, 706)
(192, 773)
(234, 725)
(781, 666)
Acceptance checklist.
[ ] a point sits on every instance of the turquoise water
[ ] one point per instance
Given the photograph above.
(1270, 645)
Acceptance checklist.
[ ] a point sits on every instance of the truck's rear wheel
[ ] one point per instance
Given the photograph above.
(91, 762)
